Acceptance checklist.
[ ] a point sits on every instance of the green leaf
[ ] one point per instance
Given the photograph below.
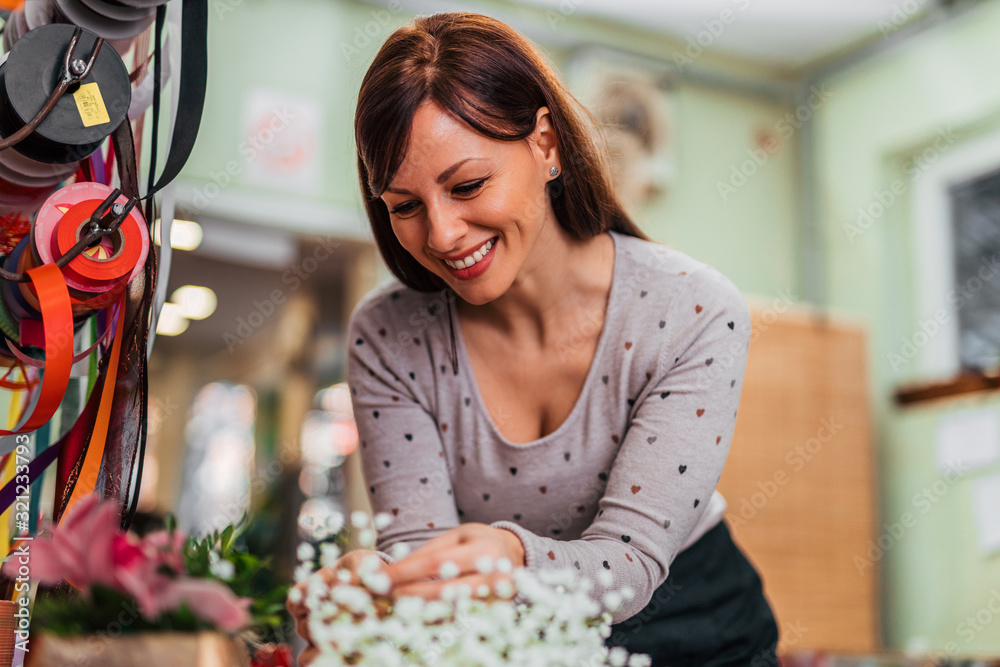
(225, 541)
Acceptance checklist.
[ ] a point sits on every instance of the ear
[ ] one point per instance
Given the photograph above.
(544, 140)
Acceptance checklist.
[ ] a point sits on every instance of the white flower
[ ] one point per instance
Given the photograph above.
(306, 552)
(448, 570)
(382, 520)
(223, 569)
(504, 565)
(295, 595)
(605, 578)
(370, 564)
(366, 538)
(302, 572)
(459, 630)
(399, 550)
(329, 554)
(334, 523)
(379, 583)
(504, 588)
(618, 656)
(484, 564)
(359, 519)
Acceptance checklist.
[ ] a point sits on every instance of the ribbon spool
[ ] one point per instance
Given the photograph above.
(17, 168)
(83, 117)
(111, 20)
(103, 268)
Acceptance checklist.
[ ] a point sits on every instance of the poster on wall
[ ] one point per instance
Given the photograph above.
(282, 141)
(636, 113)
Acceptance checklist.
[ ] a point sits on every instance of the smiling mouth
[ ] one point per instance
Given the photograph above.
(463, 264)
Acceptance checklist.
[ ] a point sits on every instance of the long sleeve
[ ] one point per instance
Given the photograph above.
(674, 448)
(401, 449)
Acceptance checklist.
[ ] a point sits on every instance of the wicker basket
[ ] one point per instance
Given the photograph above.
(148, 649)
(7, 626)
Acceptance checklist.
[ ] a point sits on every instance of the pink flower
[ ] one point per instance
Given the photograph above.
(87, 548)
(69, 553)
(209, 599)
(166, 552)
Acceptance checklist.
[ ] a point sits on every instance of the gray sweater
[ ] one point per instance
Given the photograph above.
(624, 484)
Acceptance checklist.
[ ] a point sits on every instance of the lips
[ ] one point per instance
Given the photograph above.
(467, 255)
(476, 269)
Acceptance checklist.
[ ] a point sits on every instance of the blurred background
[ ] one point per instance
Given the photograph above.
(838, 160)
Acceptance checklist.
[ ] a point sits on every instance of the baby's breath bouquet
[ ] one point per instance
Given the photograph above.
(554, 622)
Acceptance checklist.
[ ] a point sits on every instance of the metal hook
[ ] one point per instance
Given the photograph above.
(69, 65)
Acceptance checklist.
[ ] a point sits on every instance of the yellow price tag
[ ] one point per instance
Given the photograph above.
(90, 104)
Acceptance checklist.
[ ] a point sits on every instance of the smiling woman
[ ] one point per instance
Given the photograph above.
(601, 371)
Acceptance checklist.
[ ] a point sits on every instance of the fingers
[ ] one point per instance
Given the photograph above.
(299, 611)
(421, 564)
(308, 655)
(432, 590)
(302, 627)
(350, 562)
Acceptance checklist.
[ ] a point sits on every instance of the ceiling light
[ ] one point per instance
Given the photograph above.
(184, 234)
(171, 321)
(194, 302)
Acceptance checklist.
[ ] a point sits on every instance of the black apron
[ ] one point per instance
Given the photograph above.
(710, 612)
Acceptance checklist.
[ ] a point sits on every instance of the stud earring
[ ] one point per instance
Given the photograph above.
(553, 171)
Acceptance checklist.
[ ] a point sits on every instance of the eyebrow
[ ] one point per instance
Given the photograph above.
(445, 175)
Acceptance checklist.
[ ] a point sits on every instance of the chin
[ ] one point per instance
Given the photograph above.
(476, 297)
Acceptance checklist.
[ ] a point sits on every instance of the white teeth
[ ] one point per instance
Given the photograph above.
(473, 258)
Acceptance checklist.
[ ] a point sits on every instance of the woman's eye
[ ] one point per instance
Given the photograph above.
(461, 189)
(468, 189)
(402, 208)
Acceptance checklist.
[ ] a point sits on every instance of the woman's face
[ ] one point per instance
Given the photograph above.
(457, 190)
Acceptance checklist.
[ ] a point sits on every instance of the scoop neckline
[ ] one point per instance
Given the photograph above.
(579, 406)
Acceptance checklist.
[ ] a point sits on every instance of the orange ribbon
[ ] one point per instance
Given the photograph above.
(89, 472)
(57, 321)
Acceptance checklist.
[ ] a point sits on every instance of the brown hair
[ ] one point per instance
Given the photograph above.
(485, 73)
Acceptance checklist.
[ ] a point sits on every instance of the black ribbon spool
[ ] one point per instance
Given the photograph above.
(34, 69)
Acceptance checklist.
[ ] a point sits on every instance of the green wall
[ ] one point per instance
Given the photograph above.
(882, 114)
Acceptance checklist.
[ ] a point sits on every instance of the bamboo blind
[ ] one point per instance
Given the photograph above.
(800, 480)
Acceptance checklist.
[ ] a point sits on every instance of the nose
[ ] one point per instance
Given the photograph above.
(445, 228)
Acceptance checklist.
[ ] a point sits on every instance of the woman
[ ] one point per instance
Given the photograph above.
(547, 384)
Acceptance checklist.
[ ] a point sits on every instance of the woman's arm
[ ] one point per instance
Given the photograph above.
(400, 446)
(673, 452)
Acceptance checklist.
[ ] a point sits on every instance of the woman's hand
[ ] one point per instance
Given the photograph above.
(463, 545)
(351, 562)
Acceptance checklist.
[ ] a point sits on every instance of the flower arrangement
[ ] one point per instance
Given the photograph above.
(173, 581)
(553, 620)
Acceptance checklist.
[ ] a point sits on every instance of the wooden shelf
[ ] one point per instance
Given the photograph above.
(964, 383)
